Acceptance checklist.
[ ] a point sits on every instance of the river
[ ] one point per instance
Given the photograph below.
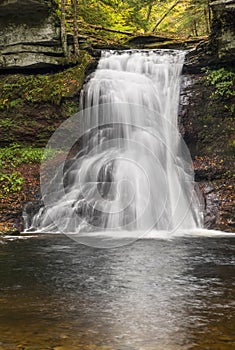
(153, 294)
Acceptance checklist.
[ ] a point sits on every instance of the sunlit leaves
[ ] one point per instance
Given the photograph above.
(189, 17)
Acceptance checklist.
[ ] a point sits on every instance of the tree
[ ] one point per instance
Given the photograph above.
(197, 17)
(75, 27)
(165, 14)
(115, 18)
(63, 28)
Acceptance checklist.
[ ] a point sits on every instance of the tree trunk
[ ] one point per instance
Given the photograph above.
(165, 15)
(98, 27)
(149, 12)
(195, 27)
(209, 14)
(207, 20)
(63, 29)
(75, 27)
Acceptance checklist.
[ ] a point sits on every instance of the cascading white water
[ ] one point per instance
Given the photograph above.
(133, 170)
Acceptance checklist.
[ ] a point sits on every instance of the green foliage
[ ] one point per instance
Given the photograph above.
(10, 183)
(16, 154)
(189, 17)
(224, 82)
(7, 123)
(11, 157)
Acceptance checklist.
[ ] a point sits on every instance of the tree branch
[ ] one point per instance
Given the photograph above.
(165, 15)
(98, 27)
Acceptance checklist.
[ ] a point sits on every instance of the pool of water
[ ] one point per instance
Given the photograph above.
(154, 294)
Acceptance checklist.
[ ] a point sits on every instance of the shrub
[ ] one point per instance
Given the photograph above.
(223, 80)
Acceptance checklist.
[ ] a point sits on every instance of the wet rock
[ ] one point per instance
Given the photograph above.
(211, 205)
(206, 126)
(31, 209)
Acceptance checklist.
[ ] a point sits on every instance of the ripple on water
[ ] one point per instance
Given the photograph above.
(153, 294)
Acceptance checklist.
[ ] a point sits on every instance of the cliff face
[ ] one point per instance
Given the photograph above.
(32, 106)
(30, 34)
(207, 125)
(207, 116)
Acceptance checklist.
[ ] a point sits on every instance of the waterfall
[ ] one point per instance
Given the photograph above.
(125, 166)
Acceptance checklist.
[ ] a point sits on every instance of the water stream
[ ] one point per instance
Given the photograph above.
(132, 171)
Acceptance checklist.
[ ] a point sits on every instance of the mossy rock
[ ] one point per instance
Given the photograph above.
(33, 105)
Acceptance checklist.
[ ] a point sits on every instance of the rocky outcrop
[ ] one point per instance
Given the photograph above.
(153, 41)
(30, 34)
(31, 108)
(207, 125)
(207, 118)
(223, 29)
(219, 49)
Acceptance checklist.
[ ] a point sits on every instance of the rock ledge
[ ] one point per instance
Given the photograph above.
(30, 34)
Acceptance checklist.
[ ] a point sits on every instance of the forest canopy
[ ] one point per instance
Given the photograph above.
(184, 18)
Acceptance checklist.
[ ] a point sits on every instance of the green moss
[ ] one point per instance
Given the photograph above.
(18, 89)
(33, 106)
(7, 123)
(206, 118)
(70, 106)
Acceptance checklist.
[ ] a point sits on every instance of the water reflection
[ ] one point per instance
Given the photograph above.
(154, 294)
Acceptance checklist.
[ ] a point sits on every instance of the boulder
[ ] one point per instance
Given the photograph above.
(30, 34)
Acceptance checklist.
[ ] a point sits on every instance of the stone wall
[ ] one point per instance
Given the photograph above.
(30, 34)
